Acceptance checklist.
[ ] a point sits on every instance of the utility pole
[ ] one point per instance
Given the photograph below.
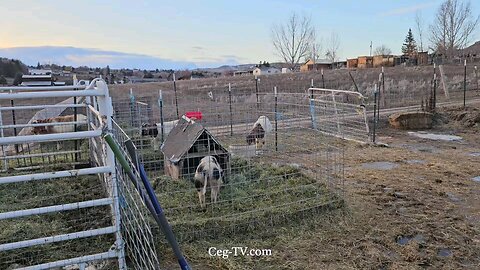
(371, 44)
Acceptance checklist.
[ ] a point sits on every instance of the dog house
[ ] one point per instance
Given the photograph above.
(187, 143)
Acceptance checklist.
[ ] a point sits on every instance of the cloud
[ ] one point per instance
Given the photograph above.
(198, 48)
(72, 56)
(406, 10)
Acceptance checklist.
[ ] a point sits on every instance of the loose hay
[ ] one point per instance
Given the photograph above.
(254, 196)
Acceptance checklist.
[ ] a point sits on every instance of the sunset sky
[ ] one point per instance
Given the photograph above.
(202, 33)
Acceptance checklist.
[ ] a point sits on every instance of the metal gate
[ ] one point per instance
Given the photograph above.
(339, 113)
(75, 205)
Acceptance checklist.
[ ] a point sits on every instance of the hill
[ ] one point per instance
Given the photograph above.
(10, 67)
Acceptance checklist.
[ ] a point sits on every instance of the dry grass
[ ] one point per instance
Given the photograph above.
(436, 204)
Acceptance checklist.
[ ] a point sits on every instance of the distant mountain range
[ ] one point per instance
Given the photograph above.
(73, 56)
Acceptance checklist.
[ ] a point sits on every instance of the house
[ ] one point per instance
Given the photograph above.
(352, 63)
(383, 61)
(311, 65)
(286, 70)
(242, 72)
(339, 64)
(365, 62)
(35, 71)
(186, 144)
(265, 71)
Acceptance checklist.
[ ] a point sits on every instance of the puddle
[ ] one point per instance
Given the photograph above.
(436, 137)
(444, 252)
(416, 161)
(381, 165)
(474, 154)
(476, 179)
(403, 240)
(452, 197)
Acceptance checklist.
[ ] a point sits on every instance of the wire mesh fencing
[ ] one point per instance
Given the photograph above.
(242, 160)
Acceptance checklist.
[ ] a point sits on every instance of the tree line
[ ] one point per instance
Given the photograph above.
(451, 30)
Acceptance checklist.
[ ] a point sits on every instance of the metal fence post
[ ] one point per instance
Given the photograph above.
(256, 91)
(5, 161)
(176, 98)
(276, 116)
(465, 84)
(75, 119)
(434, 91)
(383, 89)
(230, 103)
(375, 94)
(160, 106)
(132, 108)
(476, 77)
(323, 80)
(311, 91)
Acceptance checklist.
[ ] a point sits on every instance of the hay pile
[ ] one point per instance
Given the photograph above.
(254, 195)
(44, 193)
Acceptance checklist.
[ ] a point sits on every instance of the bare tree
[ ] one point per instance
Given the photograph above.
(293, 40)
(453, 27)
(315, 51)
(419, 25)
(382, 50)
(333, 45)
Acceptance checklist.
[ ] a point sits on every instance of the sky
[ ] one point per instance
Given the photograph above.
(189, 33)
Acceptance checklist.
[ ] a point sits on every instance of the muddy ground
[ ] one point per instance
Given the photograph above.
(410, 205)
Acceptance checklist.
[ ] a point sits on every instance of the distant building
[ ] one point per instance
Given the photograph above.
(286, 70)
(37, 80)
(35, 71)
(339, 64)
(352, 63)
(365, 62)
(383, 61)
(242, 72)
(265, 71)
(311, 65)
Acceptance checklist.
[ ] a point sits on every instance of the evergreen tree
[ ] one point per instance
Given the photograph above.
(18, 79)
(410, 46)
(3, 81)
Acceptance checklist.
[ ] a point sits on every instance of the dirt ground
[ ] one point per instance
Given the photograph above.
(419, 210)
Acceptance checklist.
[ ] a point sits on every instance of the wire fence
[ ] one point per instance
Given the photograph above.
(241, 160)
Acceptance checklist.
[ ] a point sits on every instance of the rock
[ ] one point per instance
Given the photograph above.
(411, 120)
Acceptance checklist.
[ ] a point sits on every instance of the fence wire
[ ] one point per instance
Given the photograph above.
(291, 172)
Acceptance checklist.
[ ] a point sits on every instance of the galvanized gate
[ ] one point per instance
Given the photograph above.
(76, 205)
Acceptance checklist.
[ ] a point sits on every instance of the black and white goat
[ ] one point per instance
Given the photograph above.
(257, 135)
(153, 130)
(208, 173)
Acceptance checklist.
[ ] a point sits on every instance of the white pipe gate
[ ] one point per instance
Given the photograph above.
(127, 220)
(339, 113)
